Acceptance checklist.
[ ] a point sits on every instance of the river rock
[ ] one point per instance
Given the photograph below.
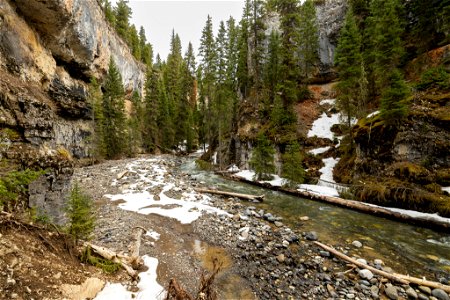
(425, 289)
(378, 262)
(278, 224)
(357, 244)
(281, 258)
(362, 261)
(304, 218)
(312, 236)
(391, 292)
(411, 293)
(440, 294)
(366, 274)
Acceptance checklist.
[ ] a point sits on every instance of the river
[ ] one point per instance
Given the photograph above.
(405, 248)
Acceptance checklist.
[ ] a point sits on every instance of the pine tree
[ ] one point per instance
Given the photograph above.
(146, 48)
(258, 48)
(394, 107)
(109, 12)
(272, 69)
(80, 211)
(95, 96)
(292, 165)
(134, 128)
(134, 42)
(164, 121)
(309, 39)
(150, 129)
(349, 64)
(262, 160)
(242, 72)
(122, 15)
(384, 49)
(113, 107)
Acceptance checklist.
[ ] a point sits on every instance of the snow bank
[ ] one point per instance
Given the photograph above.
(328, 101)
(446, 189)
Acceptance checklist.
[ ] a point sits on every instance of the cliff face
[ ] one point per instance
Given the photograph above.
(49, 50)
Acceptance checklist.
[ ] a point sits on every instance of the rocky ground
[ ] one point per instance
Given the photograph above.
(261, 258)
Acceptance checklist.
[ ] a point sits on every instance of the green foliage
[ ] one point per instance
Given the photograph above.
(292, 168)
(95, 99)
(106, 265)
(262, 160)
(122, 13)
(436, 77)
(394, 107)
(309, 38)
(80, 211)
(351, 99)
(113, 109)
(14, 186)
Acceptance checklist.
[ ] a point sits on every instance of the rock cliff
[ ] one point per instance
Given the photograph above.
(49, 50)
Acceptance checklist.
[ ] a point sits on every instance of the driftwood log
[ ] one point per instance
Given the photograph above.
(231, 194)
(403, 279)
(355, 205)
(123, 260)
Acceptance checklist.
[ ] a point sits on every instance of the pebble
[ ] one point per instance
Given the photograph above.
(423, 297)
(378, 262)
(440, 294)
(324, 253)
(411, 293)
(391, 292)
(281, 258)
(362, 260)
(312, 236)
(357, 244)
(304, 218)
(366, 274)
(278, 224)
(425, 289)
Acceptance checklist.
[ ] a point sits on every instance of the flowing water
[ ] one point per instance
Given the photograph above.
(405, 248)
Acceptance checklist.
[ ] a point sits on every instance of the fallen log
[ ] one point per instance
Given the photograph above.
(351, 204)
(135, 260)
(231, 194)
(403, 279)
(108, 254)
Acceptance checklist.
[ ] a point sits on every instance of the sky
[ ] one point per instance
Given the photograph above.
(187, 18)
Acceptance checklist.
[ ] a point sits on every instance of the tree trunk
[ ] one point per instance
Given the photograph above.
(237, 195)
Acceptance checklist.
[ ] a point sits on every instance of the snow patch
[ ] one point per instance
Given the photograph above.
(149, 288)
(446, 189)
(233, 168)
(328, 101)
(276, 181)
(246, 174)
(319, 190)
(153, 234)
(373, 114)
(321, 126)
(319, 150)
(327, 170)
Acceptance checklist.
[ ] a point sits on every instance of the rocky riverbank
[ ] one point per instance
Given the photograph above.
(262, 257)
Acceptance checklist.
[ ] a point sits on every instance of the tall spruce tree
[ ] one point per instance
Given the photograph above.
(150, 132)
(122, 14)
(384, 49)
(113, 107)
(394, 106)
(262, 160)
(95, 96)
(309, 39)
(351, 99)
(292, 168)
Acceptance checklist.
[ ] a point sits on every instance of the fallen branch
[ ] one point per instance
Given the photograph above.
(237, 195)
(355, 205)
(403, 279)
(123, 260)
(135, 259)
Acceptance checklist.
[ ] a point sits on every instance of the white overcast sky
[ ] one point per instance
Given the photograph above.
(187, 18)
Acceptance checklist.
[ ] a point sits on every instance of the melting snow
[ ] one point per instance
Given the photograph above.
(153, 234)
(246, 174)
(319, 150)
(327, 170)
(149, 173)
(373, 114)
(321, 126)
(446, 189)
(149, 288)
(328, 101)
(319, 190)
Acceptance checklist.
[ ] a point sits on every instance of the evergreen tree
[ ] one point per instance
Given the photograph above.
(351, 99)
(272, 69)
(309, 39)
(384, 48)
(109, 12)
(292, 166)
(122, 13)
(258, 48)
(150, 129)
(394, 107)
(113, 108)
(80, 211)
(242, 73)
(95, 96)
(146, 48)
(134, 128)
(164, 120)
(262, 160)
(134, 42)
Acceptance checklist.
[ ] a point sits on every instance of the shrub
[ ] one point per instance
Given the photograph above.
(434, 77)
(14, 186)
(80, 210)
